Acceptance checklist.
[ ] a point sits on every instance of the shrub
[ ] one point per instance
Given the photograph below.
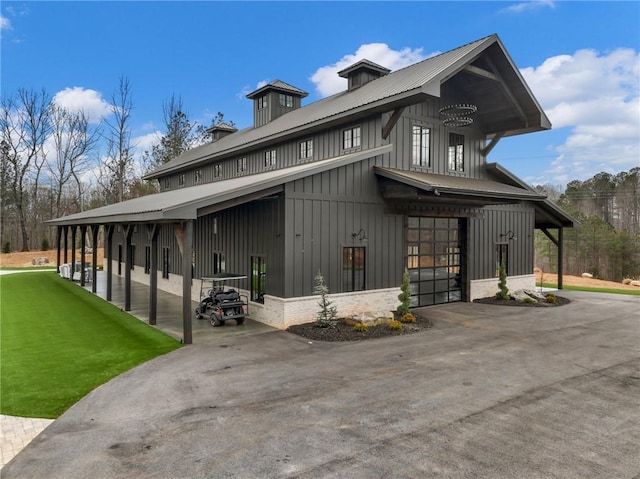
(408, 318)
(405, 296)
(326, 317)
(6, 247)
(44, 246)
(551, 298)
(395, 325)
(502, 284)
(360, 327)
(528, 300)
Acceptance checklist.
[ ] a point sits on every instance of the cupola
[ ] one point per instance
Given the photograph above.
(220, 130)
(362, 72)
(274, 100)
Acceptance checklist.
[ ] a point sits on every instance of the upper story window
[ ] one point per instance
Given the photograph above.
(197, 176)
(270, 158)
(306, 149)
(351, 138)
(420, 146)
(217, 170)
(456, 152)
(286, 100)
(167, 183)
(262, 102)
(241, 165)
(181, 180)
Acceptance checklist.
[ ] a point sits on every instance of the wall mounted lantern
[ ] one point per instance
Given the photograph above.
(509, 236)
(361, 235)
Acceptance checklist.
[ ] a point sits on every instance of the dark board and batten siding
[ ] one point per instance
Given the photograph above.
(484, 234)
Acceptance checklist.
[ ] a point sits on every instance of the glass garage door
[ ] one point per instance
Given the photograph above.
(433, 260)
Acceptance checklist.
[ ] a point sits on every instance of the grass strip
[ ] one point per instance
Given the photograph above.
(595, 290)
(58, 342)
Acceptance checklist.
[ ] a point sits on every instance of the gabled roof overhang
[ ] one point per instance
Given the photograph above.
(191, 202)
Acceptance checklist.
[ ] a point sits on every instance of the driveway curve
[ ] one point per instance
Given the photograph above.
(488, 392)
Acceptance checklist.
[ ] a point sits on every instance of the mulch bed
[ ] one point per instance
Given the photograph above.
(560, 301)
(342, 332)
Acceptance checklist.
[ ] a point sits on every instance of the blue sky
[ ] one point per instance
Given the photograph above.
(581, 60)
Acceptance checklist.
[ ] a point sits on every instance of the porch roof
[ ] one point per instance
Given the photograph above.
(192, 202)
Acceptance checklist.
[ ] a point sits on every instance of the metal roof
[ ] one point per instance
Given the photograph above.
(458, 185)
(404, 85)
(188, 203)
(278, 85)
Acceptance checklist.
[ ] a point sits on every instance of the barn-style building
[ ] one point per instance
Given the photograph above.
(389, 174)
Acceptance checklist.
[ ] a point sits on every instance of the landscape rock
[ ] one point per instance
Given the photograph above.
(373, 318)
(635, 282)
(40, 261)
(587, 275)
(522, 296)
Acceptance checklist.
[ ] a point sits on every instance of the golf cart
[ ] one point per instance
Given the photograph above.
(220, 302)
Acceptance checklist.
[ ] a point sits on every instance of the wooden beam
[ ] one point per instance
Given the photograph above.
(59, 230)
(83, 246)
(507, 91)
(395, 116)
(560, 256)
(549, 235)
(73, 251)
(186, 282)
(94, 263)
(153, 231)
(128, 233)
(109, 246)
(66, 243)
(480, 72)
(494, 141)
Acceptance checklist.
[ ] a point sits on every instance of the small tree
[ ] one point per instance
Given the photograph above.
(405, 296)
(502, 284)
(326, 317)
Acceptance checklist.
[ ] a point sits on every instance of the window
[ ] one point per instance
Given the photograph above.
(270, 158)
(286, 100)
(351, 138)
(258, 278)
(197, 176)
(181, 180)
(353, 268)
(306, 149)
(147, 260)
(167, 183)
(262, 102)
(165, 262)
(242, 165)
(217, 170)
(218, 262)
(456, 152)
(420, 151)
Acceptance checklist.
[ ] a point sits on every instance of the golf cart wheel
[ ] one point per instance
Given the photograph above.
(239, 321)
(198, 314)
(216, 320)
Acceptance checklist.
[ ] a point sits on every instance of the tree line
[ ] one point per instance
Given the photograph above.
(55, 161)
(607, 241)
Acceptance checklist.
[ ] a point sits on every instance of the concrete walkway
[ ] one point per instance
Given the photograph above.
(489, 392)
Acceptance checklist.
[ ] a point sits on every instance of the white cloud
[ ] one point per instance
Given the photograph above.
(596, 96)
(529, 6)
(86, 100)
(5, 23)
(328, 82)
(247, 89)
(145, 142)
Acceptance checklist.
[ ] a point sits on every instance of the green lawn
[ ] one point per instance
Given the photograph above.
(595, 290)
(58, 342)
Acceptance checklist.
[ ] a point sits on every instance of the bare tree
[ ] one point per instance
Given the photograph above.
(73, 140)
(24, 126)
(117, 167)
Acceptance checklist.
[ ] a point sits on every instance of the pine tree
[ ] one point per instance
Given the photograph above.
(326, 317)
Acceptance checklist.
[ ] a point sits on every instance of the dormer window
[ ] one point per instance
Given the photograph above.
(181, 180)
(270, 158)
(286, 100)
(217, 170)
(197, 176)
(167, 183)
(306, 149)
(262, 102)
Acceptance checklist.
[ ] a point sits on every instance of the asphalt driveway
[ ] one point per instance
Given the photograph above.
(489, 392)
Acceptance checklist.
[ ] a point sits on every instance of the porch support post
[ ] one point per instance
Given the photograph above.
(58, 240)
(128, 232)
(73, 250)
(560, 256)
(187, 251)
(65, 230)
(108, 243)
(152, 232)
(83, 245)
(94, 263)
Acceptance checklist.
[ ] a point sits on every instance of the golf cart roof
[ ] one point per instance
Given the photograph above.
(224, 277)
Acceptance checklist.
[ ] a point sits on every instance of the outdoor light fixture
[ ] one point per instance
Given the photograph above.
(458, 115)
(360, 235)
(509, 235)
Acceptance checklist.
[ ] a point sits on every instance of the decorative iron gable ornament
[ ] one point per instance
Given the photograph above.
(458, 115)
